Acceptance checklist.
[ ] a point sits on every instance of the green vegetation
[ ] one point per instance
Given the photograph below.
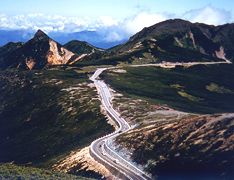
(196, 38)
(80, 47)
(10, 47)
(180, 145)
(180, 88)
(11, 171)
(170, 150)
(149, 51)
(216, 88)
(33, 49)
(46, 114)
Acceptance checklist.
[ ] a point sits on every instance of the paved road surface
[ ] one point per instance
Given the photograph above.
(98, 146)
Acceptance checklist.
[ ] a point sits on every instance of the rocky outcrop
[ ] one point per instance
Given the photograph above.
(38, 53)
(30, 63)
(221, 54)
(58, 56)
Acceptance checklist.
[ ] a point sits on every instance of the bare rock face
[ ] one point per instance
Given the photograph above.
(38, 53)
(221, 54)
(30, 63)
(56, 56)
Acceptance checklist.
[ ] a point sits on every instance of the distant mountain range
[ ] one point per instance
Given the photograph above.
(169, 41)
(41, 51)
(92, 37)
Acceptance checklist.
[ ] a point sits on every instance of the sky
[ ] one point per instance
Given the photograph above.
(116, 19)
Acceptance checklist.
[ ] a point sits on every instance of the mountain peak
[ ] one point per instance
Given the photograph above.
(40, 35)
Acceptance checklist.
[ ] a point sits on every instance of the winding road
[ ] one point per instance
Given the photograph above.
(99, 147)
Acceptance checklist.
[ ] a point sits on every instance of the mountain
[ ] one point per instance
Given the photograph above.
(80, 47)
(181, 115)
(10, 47)
(38, 53)
(171, 41)
(215, 41)
(92, 37)
(15, 36)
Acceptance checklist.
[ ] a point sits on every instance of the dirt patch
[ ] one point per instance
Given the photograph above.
(76, 158)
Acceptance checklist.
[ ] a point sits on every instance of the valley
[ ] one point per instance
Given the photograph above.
(171, 94)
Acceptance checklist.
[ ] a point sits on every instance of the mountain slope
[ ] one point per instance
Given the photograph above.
(171, 41)
(183, 119)
(45, 114)
(216, 41)
(10, 47)
(38, 53)
(11, 171)
(80, 47)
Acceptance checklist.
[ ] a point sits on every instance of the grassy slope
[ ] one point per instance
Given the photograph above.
(208, 154)
(200, 88)
(41, 118)
(181, 88)
(149, 52)
(10, 171)
(80, 47)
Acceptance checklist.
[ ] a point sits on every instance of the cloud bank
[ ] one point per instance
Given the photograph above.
(111, 29)
(209, 15)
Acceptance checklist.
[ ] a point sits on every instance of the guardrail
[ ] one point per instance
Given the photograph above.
(110, 151)
(109, 166)
(124, 161)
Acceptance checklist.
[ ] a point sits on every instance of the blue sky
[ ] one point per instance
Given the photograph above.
(117, 19)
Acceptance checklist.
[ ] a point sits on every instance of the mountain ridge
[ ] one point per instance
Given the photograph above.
(81, 47)
(39, 35)
(38, 53)
(173, 40)
(188, 35)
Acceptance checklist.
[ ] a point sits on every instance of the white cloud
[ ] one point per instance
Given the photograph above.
(123, 29)
(107, 21)
(209, 15)
(111, 29)
(138, 22)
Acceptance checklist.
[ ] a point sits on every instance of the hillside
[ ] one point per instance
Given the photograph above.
(198, 89)
(47, 114)
(10, 171)
(38, 53)
(216, 41)
(10, 47)
(171, 41)
(80, 47)
(183, 119)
